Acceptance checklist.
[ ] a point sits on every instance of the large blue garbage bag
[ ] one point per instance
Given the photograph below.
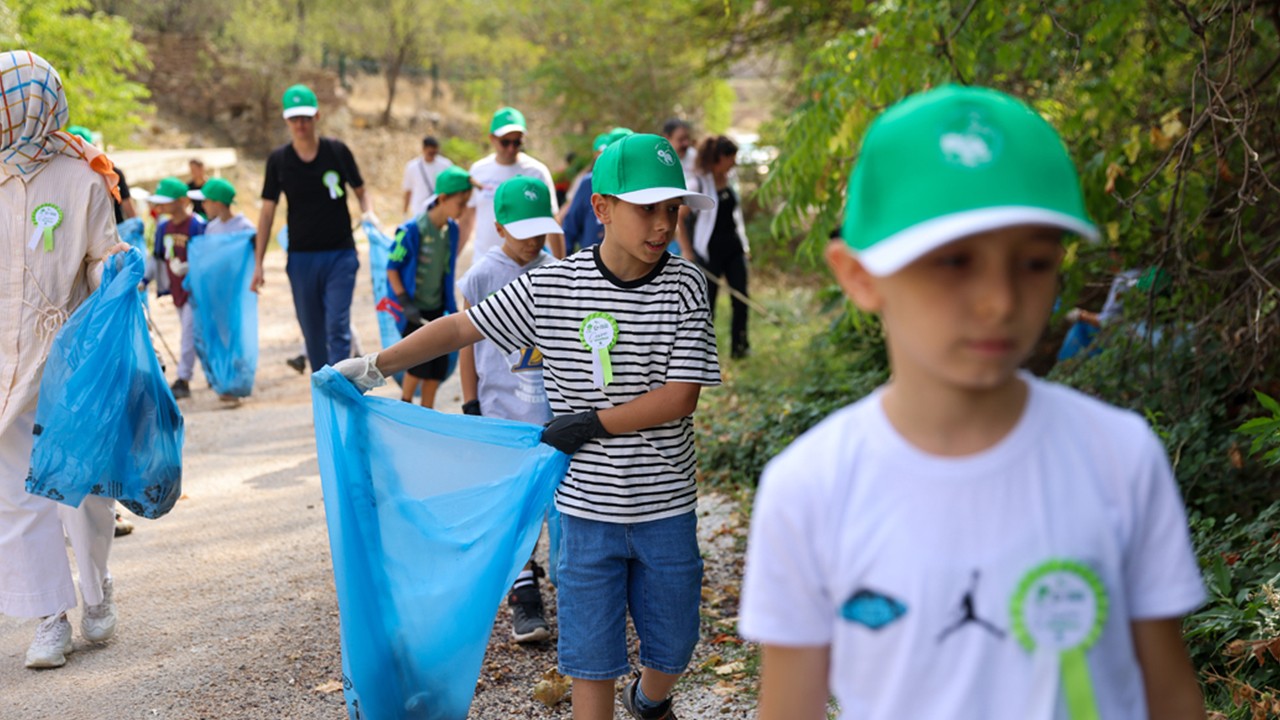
(431, 517)
(225, 309)
(106, 422)
(132, 232)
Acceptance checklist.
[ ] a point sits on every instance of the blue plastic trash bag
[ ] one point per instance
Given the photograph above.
(106, 422)
(132, 232)
(431, 517)
(225, 309)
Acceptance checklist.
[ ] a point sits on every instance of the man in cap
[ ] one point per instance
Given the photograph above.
(314, 173)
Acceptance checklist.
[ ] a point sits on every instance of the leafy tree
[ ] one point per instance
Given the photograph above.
(93, 52)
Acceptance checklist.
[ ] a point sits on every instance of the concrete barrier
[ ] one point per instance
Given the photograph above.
(147, 166)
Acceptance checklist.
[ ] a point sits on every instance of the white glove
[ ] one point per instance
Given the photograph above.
(370, 218)
(363, 372)
(1073, 316)
(178, 267)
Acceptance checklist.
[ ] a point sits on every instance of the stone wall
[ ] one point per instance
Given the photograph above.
(238, 104)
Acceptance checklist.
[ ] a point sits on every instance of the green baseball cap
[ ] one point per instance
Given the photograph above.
(81, 132)
(299, 100)
(452, 179)
(522, 205)
(643, 169)
(507, 120)
(601, 142)
(952, 162)
(168, 190)
(215, 189)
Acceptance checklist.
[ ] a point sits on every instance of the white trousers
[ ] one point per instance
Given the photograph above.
(187, 344)
(35, 572)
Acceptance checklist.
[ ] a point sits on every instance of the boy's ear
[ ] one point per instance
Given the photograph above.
(601, 206)
(853, 277)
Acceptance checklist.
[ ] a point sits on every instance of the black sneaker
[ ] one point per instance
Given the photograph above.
(298, 363)
(662, 712)
(180, 389)
(527, 622)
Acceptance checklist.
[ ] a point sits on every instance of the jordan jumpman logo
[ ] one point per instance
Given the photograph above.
(968, 614)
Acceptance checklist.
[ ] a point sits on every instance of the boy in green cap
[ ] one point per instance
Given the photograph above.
(509, 385)
(217, 195)
(170, 251)
(420, 274)
(627, 345)
(969, 541)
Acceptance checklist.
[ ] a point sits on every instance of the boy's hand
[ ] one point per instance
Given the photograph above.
(568, 433)
(363, 372)
(258, 279)
(412, 315)
(471, 407)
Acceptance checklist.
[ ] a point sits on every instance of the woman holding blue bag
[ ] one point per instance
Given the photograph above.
(56, 198)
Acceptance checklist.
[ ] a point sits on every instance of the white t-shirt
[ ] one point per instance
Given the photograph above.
(489, 175)
(420, 180)
(908, 565)
(509, 385)
(238, 223)
(663, 335)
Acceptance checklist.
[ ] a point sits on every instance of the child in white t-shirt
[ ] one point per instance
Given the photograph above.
(969, 541)
(509, 385)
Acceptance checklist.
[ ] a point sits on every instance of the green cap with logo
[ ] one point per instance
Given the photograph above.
(81, 132)
(522, 205)
(452, 179)
(299, 100)
(604, 140)
(643, 169)
(215, 189)
(953, 162)
(507, 120)
(168, 190)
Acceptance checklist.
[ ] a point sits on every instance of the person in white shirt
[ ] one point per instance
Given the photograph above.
(969, 542)
(506, 137)
(420, 176)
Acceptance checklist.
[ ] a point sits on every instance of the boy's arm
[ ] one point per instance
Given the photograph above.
(671, 401)
(466, 224)
(793, 682)
(1172, 689)
(407, 194)
(467, 370)
(436, 338)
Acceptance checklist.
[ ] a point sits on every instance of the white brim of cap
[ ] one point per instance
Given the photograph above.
(533, 227)
(195, 195)
(159, 199)
(899, 250)
(649, 196)
(510, 129)
(302, 110)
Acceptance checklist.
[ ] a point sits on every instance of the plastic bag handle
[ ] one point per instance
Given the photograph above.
(122, 271)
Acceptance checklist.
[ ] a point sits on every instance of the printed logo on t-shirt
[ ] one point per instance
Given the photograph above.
(526, 359)
(872, 609)
(968, 614)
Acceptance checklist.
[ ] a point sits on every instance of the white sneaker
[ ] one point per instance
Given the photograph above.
(98, 623)
(52, 643)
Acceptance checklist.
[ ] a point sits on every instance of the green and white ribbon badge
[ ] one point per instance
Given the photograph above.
(334, 183)
(599, 332)
(1059, 610)
(46, 218)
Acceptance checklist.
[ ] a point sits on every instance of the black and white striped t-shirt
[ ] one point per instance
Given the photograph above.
(664, 335)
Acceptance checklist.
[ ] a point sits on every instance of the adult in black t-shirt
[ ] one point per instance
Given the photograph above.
(314, 173)
(124, 208)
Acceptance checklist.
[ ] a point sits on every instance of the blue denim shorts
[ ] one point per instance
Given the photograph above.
(653, 569)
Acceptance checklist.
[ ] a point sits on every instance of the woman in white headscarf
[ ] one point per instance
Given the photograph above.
(58, 225)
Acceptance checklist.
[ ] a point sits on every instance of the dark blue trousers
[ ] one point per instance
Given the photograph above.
(323, 284)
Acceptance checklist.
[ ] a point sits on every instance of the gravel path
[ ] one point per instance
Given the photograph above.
(227, 607)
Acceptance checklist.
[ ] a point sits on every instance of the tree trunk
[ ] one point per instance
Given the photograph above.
(392, 72)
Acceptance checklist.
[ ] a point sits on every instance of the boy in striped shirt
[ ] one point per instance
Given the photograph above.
(627, 346)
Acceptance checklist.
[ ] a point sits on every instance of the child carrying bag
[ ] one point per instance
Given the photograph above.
(225, 309)
(106, 422)
(431, 517)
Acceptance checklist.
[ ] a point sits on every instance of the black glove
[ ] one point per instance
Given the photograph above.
(471, 407)
(567, 433)
(412, 315)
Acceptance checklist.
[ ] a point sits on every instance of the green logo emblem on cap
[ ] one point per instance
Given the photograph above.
(665, 155)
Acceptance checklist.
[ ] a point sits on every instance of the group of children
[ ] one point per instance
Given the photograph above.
(966, 542)
(177, 226)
